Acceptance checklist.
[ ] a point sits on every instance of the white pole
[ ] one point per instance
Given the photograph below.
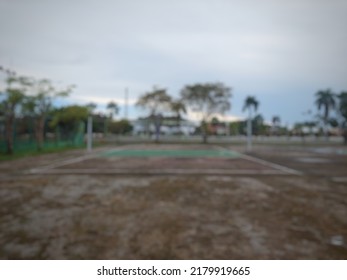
(228, 128)
(126, 104)
(89, 134)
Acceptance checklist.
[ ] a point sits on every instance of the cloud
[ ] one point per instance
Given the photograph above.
(268, 48)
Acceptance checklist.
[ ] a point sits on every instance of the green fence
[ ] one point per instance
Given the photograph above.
(25, 142)
(29, 145)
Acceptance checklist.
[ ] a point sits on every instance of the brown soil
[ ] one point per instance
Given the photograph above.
(176, 217)
(162, 162)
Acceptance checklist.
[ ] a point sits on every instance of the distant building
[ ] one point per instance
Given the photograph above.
(169, 126)
(218, 128)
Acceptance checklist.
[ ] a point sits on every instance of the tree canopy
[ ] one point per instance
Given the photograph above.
(250, 102)
(113, 108)
(207, 99)
(325, 100)
(156, 102)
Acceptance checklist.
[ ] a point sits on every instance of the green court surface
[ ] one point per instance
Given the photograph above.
(171, 153)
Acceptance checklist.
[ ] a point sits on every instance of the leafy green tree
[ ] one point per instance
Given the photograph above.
(120, 127)
(69, 115)
(12, 98)
(40, 103)
(156, 102)
(207, 99)
(258, 125)
(325, 100)
(251, 103)
(91, 107)
(67, 120)
(235, 127)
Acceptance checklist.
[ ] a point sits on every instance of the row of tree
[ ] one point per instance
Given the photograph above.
(327, 101)
(31, 103)
(33, 98)
(212, 98)
(30, 97)
(205, 98)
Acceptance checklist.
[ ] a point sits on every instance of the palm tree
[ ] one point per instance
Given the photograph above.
(250, 102)
(325, 99)
(343, 112)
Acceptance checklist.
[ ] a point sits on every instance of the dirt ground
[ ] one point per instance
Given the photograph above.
(201, 216)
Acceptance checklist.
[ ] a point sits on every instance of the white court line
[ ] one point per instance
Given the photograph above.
(164, 172)
(51, 169)
(69, 161)
(266, 163)
(270, 164)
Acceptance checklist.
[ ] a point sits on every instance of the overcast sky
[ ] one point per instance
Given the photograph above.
(281, 51)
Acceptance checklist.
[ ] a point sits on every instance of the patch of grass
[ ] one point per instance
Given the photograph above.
(47, 150)
(22, 154)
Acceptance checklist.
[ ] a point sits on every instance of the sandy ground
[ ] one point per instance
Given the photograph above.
(177, 217)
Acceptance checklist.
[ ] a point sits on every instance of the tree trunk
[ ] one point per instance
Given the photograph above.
(326, 132)
(344, 134)
(157, 125)
(157, 133)
(39, 132)
(204, 132)
(326, 117)
(9, 135)
(204, 138)
(178, 123)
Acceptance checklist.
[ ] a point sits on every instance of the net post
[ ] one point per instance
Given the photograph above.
(89, 134)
